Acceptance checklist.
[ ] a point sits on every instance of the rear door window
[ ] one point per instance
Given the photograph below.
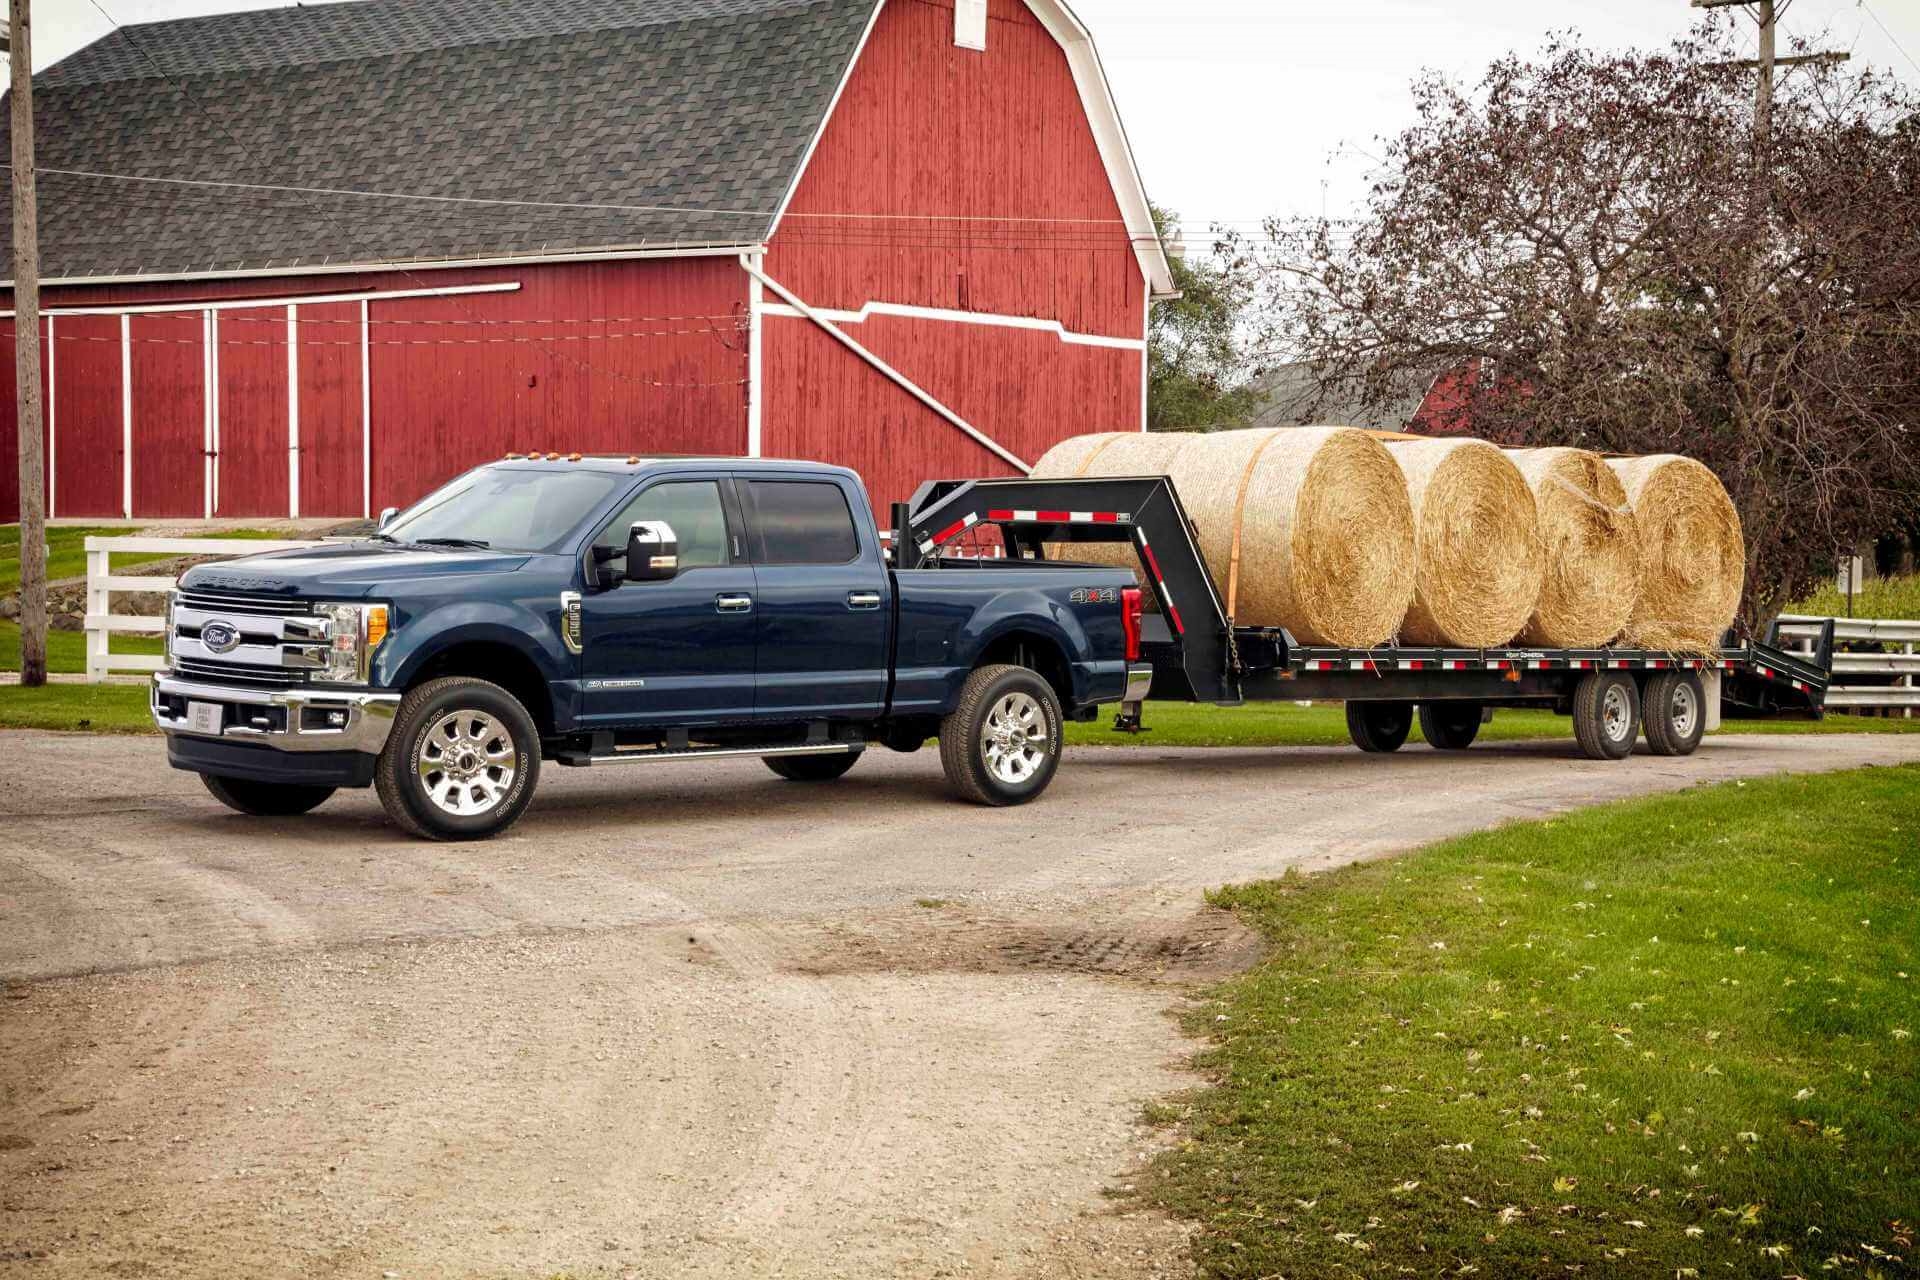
(802, 522)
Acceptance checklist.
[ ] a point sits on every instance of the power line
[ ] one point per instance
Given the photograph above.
(1891, 38)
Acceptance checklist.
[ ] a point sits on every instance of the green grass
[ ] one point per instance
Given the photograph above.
(99, 708)
(1881, 598)
(1282, 724)
(1672, 1037)
(68, 552)
(67, 650)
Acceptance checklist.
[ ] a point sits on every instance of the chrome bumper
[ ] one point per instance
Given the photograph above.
(1139, 684)
(365, 718)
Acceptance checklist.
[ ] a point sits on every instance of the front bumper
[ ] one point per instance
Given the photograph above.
(300, 721)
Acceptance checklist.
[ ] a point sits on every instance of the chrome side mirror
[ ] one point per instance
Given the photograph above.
(387, 515)
(653, 552)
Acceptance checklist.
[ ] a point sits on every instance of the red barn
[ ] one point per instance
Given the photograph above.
(312, 261)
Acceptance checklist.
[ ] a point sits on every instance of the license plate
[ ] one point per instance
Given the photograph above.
(204, 717)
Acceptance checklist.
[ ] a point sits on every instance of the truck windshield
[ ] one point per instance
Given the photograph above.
(506, 509)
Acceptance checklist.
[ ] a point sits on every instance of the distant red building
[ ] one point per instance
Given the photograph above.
(313, 261)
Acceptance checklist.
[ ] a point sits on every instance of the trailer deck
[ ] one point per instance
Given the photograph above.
(1198, 653)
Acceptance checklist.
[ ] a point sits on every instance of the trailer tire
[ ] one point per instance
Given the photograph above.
(1606, 715)
(821, 768)
(495, 750)
(1379, 728)
(265, 799)
(1674, 707)
(1450, 726)
(1001, 745)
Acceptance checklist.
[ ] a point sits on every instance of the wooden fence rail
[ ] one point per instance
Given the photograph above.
(1892, 670)
(103, 582)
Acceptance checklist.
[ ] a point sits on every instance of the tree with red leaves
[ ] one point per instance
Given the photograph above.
(1621, 263)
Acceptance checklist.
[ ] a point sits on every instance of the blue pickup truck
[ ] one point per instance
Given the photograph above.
(591, 611)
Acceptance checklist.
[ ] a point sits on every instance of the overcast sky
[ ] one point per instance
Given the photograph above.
(1243, 108)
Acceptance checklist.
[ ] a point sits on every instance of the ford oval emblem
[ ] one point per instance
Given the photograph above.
(220, 637)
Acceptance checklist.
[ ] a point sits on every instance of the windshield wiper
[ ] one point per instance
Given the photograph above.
(383, 537)
(475, 543)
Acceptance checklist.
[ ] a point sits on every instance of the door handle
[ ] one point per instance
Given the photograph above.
(733, 604)
(863, 599)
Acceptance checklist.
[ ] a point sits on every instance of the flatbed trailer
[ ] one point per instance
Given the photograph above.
(1197, 653)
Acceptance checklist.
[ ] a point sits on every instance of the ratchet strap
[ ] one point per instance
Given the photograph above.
(1087, 464)
(1239, 513)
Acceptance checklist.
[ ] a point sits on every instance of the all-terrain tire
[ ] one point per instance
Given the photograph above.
(1002, 744)
(821, 768)
(1379, 727)
(265, 799)
(490, 761)
(1674, 707)
(1606, 715)
(1450, 726)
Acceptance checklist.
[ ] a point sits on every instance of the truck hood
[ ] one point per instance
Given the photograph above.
(346, 570)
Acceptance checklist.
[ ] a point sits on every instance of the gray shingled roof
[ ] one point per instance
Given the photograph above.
(1291, 395)
(698, 111)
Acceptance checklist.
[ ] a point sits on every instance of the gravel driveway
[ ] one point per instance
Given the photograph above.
(685, 1022)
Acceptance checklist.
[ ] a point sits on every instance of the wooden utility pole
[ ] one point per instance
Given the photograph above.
(26, 354)
(1769, 19)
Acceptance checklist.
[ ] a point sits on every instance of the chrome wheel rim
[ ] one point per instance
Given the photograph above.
(1616, 714)
(466, 763)
(1016, 739)
(1686, 709)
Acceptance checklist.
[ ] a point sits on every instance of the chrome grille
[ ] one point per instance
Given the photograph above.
(279, 640)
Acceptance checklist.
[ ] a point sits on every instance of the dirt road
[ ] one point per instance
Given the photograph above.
(677, 1023)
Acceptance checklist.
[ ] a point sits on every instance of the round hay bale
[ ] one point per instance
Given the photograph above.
(1693, 555)
(1478, 564)
(1319, 514)
(1072, 457)
(1592, 548)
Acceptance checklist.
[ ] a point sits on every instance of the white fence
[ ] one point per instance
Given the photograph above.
(1897, 667)
(102, 582)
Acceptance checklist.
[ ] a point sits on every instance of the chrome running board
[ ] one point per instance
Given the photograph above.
(662, 755)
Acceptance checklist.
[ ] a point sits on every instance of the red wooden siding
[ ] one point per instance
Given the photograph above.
(330, 471)
(169, 413)
(9, 450)
(1026, 390)
(253, 452)
(595, 358)
(981, 169)
(88, 426)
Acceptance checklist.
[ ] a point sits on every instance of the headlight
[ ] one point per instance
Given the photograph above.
(352, 633)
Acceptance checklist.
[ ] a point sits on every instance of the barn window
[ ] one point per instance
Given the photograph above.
(970, 24)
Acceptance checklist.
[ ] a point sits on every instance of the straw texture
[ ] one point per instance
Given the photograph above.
(1592, 547)
(1693, 554)
(1476, 544)
(1325, 530)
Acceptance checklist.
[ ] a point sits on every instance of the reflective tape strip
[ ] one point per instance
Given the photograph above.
(1160, 580)
(1022, 515)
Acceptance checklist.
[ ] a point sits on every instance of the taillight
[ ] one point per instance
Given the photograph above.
(1132, 605)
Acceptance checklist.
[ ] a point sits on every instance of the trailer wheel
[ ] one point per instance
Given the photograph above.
(1675, 708)
(1606, 715)
(1001, 746)
(1449, 726)
(1379, 727)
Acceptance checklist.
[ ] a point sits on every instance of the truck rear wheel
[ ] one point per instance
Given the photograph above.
(1379, 727)
(265, 799)
(1001, 746)
(1449, 726)
(461, 761)
(1674, 706)
(821, 768)
(1606, 715)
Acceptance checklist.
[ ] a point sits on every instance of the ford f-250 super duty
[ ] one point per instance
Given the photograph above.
(595, 611)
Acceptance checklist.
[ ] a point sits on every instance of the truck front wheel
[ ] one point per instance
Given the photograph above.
(1002, 744)
(461, 761)
(265, 799)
